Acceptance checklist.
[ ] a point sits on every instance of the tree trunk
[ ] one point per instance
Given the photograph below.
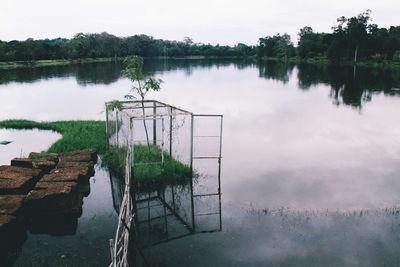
(355, 54)
(144, 124)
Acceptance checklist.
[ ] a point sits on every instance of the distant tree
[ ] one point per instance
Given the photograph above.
(311, 44)
(275, 46)
(355, 30)
(188, 40)
(80, 46)
(282, 45)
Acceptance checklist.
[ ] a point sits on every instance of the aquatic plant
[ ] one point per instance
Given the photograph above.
(5, 142)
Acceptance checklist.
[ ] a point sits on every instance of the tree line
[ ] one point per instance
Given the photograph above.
(100, 45)
(352, 39)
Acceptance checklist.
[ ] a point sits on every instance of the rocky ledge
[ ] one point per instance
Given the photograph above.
(44, 187)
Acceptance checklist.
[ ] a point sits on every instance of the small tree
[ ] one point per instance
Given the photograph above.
(141, 84)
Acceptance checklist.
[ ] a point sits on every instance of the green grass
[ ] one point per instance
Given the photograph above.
(148, 177)
(76, 135)
(79, 135)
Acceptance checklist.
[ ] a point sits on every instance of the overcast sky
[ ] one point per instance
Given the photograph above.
(207, 21)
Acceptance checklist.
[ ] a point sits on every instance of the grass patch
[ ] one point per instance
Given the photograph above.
(79, 135)
(76, 135)
(148, 176)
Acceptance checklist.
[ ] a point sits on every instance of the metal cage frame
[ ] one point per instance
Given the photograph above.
(159, 112)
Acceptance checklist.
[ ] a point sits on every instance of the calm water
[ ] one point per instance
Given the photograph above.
(310, 170)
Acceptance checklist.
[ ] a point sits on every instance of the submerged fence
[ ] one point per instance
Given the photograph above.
(156, 142)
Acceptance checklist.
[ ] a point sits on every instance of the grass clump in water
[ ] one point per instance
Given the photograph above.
(148, 169)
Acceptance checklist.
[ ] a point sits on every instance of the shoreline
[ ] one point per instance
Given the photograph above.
(319, 61)
(6, 65)
(387, 64)
(49, 62)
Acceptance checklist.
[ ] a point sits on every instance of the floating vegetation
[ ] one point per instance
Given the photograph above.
(5, 142)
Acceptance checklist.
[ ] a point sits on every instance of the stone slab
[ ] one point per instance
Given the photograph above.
(82, 155)
(22, 162)
(11, 204)
(54, 198)
(6, 221)
(79, 174)
(45, 165)
(15, 169)
(17, 180)
(17, 185)
(65, 163)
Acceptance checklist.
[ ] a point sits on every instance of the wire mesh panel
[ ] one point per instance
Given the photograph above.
(207, 213)
(148, 140)
(206, 166)
(157, 220)
(178, 135)
(207, 154)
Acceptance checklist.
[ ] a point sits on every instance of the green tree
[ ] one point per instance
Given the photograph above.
(355, 30)
(275, 46)
(311, 44)
(141, 84)
(80, 46)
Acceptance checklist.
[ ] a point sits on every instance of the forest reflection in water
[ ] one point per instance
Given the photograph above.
(168, 213)
(352, 86)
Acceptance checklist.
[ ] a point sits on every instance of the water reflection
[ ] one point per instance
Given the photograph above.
(91, 73)
(274, 237)
(167, 214)
(350, 86)
(276, 70)
(110, 72)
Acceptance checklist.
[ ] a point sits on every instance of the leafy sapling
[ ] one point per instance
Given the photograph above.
(141, 84)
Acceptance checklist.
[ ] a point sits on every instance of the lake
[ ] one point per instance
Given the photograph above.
(310, 168)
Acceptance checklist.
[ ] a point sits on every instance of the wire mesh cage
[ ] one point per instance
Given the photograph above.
(157, 134)
(172, 160)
